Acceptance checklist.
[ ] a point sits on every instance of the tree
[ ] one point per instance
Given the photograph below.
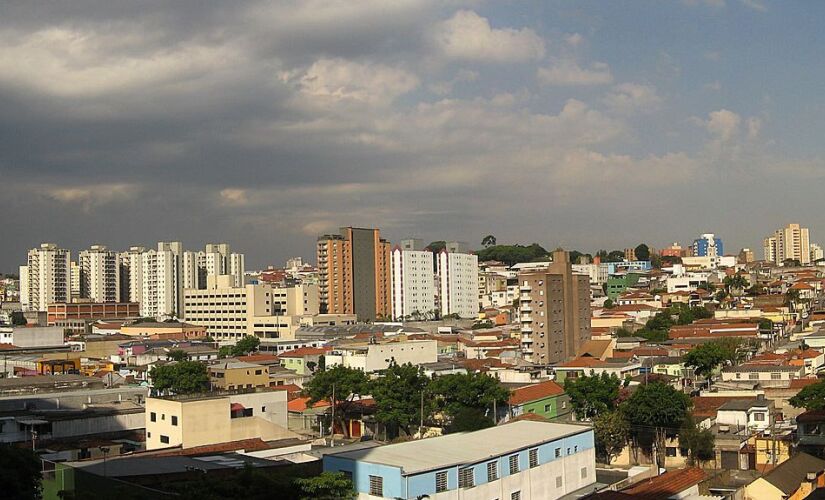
(811, 397)
(623, 332)
(398, 397)
(246, 345)
(512, 254)
(177, 355)
(642, 252)
(611, 431)
(326, 486)
(592, 395)
(656, 261)
(609, 304)
(735, 283)
(488, 241)
(479, 325)
(655, 410)
(705, 358)
(345, 382)
(20, 474)
(182, 377)
(453, 392)
(18, 319)
(696, 443)
(468, 420)
(615, 256)
(311, 366)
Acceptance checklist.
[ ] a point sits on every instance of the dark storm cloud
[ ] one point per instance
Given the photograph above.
(266, 123)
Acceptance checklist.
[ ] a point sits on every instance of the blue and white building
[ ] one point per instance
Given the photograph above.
(517, 461)
(708, 245)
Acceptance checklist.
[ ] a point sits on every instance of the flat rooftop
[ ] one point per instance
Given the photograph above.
(414, 457)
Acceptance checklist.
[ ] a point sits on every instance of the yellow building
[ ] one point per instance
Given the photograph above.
(189, 421)
(794, 479)
(233, 374)
(770, 451)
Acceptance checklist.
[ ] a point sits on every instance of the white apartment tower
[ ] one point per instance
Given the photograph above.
(161, 294)
(131, 274)
(215, 260)
(99, 274)
(47, 279)
(413, 281)
(789, 242)
(458, 281)
(816, 252)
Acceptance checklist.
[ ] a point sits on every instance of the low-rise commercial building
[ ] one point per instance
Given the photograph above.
(371, 357)
(199, 420)
(521, 460)
(232, 374)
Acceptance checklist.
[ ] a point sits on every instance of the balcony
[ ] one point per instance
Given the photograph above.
(526, 329)
(526, 350)
(526, 308)
(526, 339)
(525, 288)
(525, 297)
(526, 318)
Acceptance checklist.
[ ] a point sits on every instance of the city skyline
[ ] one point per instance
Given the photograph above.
(591, 124)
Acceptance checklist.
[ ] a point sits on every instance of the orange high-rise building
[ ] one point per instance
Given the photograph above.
(354, 273)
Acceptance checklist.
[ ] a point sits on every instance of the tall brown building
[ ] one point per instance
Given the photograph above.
(555, 311)
(354, 273)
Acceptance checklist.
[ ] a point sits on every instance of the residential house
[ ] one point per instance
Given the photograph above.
(304, 361)
(231, 374)
(546, 399)
(796, 478)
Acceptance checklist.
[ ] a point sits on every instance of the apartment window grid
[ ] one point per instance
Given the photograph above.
(465, 478)
(516, 495)
(513, 464)
(440, 482)
(492, 471)
(533, 456)
(377, 486)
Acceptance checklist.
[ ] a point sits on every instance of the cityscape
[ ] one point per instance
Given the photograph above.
(365, 250)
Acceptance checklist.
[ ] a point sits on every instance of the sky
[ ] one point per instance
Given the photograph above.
(579, 124)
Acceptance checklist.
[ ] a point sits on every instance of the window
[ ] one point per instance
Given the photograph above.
(558, 482)
(670, 451)
(174, 420)
(440, 481)
(584, 472)
(558, 452)
(153, 417)
(164, 439)
(377, 486)
(492, 471)
(465, 478)
(776, 376)
(548, 408)
(516, 495)
(753, 376)
(513, 464)
(534, 457)
(759, 417)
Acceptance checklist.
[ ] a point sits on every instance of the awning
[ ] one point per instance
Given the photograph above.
(237, 407)
(32, 421)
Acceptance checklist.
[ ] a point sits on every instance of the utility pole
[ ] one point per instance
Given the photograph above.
(421, 423)
(332, 434)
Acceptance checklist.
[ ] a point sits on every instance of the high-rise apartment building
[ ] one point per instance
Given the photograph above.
(161, 289)
(708, 245)
(48, 277)
(555, 311)
(99, 274)
(816, 252)
(458, 280)
(790, 242)
(354, 273)
(413, 281)
(131, 274)
(215, 260)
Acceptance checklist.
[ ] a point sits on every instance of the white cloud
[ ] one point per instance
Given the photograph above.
(723, 124)
(713, 55)
(73, 62)
(755, 5)
(574, 39)
(567, 72)
(632, 97)
(234, 197)
(341, 79)
(446, 88)
(90, 196)
(469, 36)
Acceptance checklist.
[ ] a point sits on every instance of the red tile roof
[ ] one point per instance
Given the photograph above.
(254, 444)
(258, 358)
(799, 383)
(300, 404)
(666, 485)
(305, 351)
(535, 392)
(707, 406)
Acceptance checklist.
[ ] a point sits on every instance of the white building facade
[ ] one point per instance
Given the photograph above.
(458, 281)
(413, 281)
(48, 277)
(99, 274)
